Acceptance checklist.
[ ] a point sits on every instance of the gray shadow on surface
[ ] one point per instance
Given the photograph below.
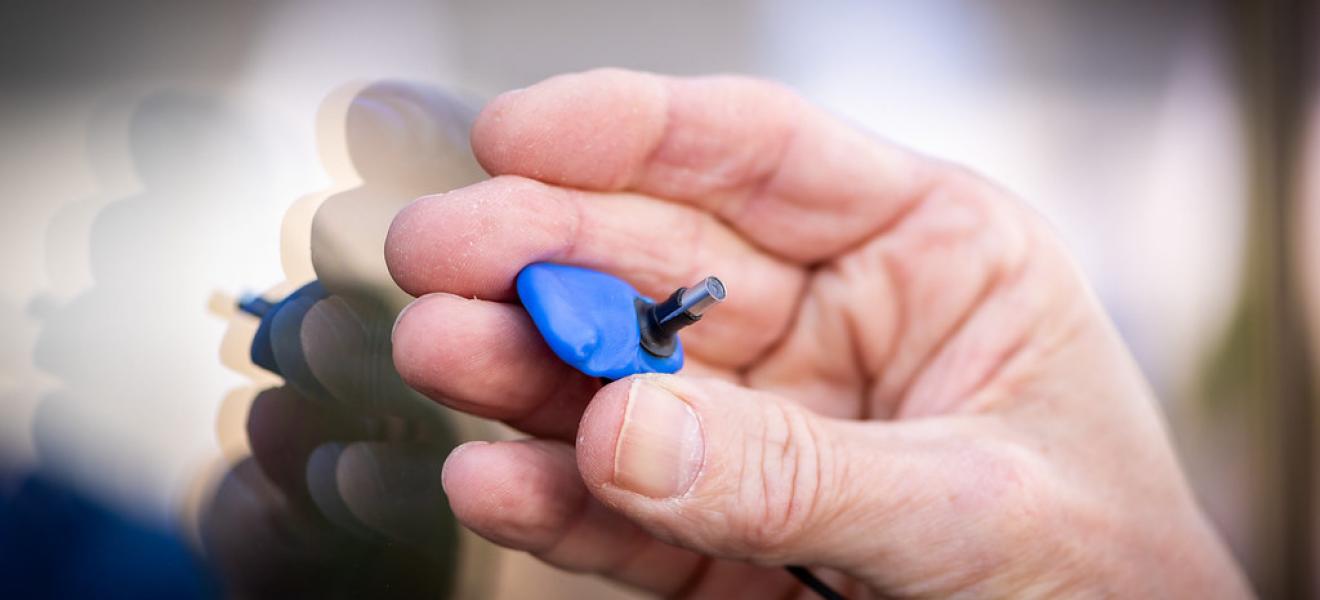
(125, 349)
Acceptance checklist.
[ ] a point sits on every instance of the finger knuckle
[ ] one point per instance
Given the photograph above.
(784, 483)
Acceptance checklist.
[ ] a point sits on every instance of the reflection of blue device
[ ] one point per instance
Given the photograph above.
(263, 349)
(603, 327)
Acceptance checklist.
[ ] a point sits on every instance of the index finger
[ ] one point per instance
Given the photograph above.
(792, 178)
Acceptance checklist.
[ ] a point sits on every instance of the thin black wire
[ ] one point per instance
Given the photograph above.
(814, 583)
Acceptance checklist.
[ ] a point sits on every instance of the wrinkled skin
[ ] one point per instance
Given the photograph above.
(910, 387)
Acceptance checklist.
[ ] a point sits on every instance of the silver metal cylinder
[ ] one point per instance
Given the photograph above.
(696, 299)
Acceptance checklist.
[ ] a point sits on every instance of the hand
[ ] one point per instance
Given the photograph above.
(909, 387)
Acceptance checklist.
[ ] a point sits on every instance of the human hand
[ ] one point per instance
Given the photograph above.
(909, 386)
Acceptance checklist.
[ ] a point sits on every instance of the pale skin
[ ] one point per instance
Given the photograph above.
(910, 389)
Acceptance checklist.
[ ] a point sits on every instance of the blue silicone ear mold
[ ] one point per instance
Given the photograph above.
(589, 319)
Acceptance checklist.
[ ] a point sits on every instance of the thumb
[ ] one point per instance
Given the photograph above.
(736, 473)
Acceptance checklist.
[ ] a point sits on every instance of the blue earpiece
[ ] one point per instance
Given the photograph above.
(603, 327)
(589, 319)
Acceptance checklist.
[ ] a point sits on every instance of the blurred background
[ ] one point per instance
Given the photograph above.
(158, 160)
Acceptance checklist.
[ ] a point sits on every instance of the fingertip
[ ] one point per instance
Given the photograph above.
(473, 241)
(418, 359)
(487, 359)
(400, 239)
(517, 494)
(454, 468)
(476, 478)
(489, 131)
(425, 335)
(484, 357)
(598, 433)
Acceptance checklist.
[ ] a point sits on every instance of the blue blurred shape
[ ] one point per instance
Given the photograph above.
(263, 350)
(57, 543)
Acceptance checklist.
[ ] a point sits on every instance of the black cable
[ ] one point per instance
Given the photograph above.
(814, 583)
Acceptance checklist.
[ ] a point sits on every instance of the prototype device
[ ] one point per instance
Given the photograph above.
(262, 351)
(603, 327)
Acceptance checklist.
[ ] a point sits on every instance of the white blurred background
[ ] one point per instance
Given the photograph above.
(151, 150)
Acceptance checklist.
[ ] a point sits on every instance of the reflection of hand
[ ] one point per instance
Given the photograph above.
(341, 495)
(321, 510)
(909, 384)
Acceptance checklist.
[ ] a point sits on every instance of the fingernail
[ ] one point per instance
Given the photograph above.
(399, 318)
(660, 447)
(453, 454)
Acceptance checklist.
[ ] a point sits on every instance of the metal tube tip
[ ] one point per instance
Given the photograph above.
(701, 296)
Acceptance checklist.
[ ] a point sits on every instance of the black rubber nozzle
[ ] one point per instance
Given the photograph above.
(659, 323)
